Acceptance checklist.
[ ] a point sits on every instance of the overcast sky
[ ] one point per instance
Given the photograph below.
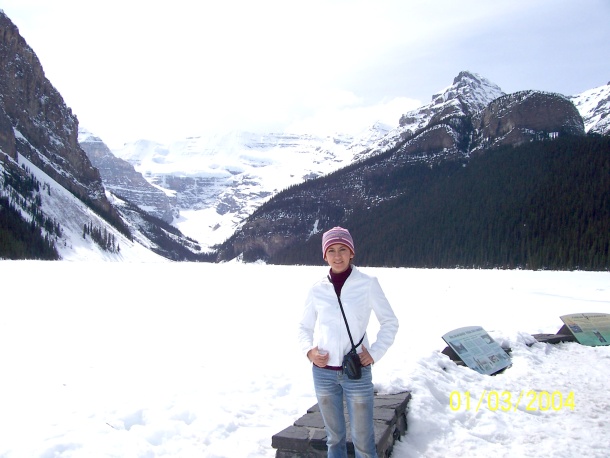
(132, 69)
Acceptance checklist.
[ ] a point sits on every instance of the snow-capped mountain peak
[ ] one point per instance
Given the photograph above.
(470, 89)
(468, 94)
(594, 106)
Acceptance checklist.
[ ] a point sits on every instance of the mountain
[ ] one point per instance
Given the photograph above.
(448, 137)
(42, 163)
(269, 196)
(222, 177)
(219, 180)
(53, 203)
(120, 178)
(468, 94)
(36, 123)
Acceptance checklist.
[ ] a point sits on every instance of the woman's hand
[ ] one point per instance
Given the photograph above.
(318, 359)
(365, 357)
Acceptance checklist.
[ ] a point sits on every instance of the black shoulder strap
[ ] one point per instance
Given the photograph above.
(345, 319)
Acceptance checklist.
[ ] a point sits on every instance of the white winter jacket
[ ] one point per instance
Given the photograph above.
(322, 323)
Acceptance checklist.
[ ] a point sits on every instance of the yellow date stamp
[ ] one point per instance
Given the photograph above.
(507, 401)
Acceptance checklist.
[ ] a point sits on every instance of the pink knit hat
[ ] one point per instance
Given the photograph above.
(337, 235)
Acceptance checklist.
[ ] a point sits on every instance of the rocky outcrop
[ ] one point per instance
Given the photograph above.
(526, 116)
(121, 179)
(36, 123)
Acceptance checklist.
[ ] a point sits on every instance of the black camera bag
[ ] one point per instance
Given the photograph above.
(352, 366)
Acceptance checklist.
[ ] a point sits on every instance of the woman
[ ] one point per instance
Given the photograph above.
(359, 295)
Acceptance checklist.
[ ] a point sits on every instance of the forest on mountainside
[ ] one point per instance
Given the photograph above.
(21, 239)
(540, 205)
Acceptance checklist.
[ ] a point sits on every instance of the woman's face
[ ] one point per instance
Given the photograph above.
(338, 257)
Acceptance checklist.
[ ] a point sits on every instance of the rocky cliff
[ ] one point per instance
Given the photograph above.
(524, 116)
(36, 123)
(48, 181)
(121, 179)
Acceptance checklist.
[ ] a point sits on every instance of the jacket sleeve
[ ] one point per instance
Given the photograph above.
(387, 321)
(307, 325)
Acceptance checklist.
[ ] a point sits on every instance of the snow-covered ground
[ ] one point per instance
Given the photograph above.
(102, 359)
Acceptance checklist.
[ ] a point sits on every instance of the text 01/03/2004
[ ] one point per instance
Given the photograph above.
(506, 401)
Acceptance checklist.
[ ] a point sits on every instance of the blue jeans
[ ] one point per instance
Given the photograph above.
(331, 386)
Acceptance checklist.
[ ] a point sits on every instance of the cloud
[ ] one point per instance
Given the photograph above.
(353, 118)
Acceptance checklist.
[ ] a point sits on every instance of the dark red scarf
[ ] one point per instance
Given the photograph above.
(338, 280)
